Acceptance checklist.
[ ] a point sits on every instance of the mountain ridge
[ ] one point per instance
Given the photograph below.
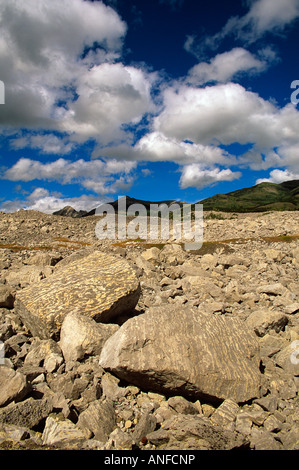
(262, 197)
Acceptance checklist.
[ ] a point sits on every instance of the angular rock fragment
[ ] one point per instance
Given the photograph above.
(61, 432)
(179, 351)
(287, 359)
(7, 297)
(13, 386)
(262, 321)
(226, 413)
(98, 419)
(100, 286)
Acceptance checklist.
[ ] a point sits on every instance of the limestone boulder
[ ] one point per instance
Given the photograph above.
(99, 286)
(181, 351)
(81, 336)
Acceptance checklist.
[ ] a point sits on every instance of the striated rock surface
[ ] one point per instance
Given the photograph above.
(183, 351)
(101, 286)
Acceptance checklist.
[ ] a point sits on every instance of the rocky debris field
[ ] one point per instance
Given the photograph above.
(138, 345)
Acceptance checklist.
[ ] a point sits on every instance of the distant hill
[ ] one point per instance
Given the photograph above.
(146, 204)
(259, 198)
(69, 211)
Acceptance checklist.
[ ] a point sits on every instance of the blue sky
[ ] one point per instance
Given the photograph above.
(157, 99)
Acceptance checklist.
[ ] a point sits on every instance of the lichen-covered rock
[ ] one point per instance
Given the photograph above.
(182, 351)
(99, 286)
(28, 413)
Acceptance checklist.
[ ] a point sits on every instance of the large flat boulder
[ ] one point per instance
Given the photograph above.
(182, 351)
(99, 286)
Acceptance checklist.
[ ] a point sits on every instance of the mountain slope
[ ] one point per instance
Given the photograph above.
(259, 198)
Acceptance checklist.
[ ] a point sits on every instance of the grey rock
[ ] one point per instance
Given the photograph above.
(243, 424)
(272, 424)
(263, 440)
(31, 372)
(270, 345)
(110, 387)
(151, 254)
(98, 419)
(171, 349)
(6, 326)
(292, 308)
(290, 439)
(183, 406)
(145, 425)
(44, 259)
(14, 433)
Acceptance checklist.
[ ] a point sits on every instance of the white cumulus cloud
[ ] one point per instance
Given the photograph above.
(96, 175)
(57, 61)
(223, 67)
(279, 176)
(197, 176)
